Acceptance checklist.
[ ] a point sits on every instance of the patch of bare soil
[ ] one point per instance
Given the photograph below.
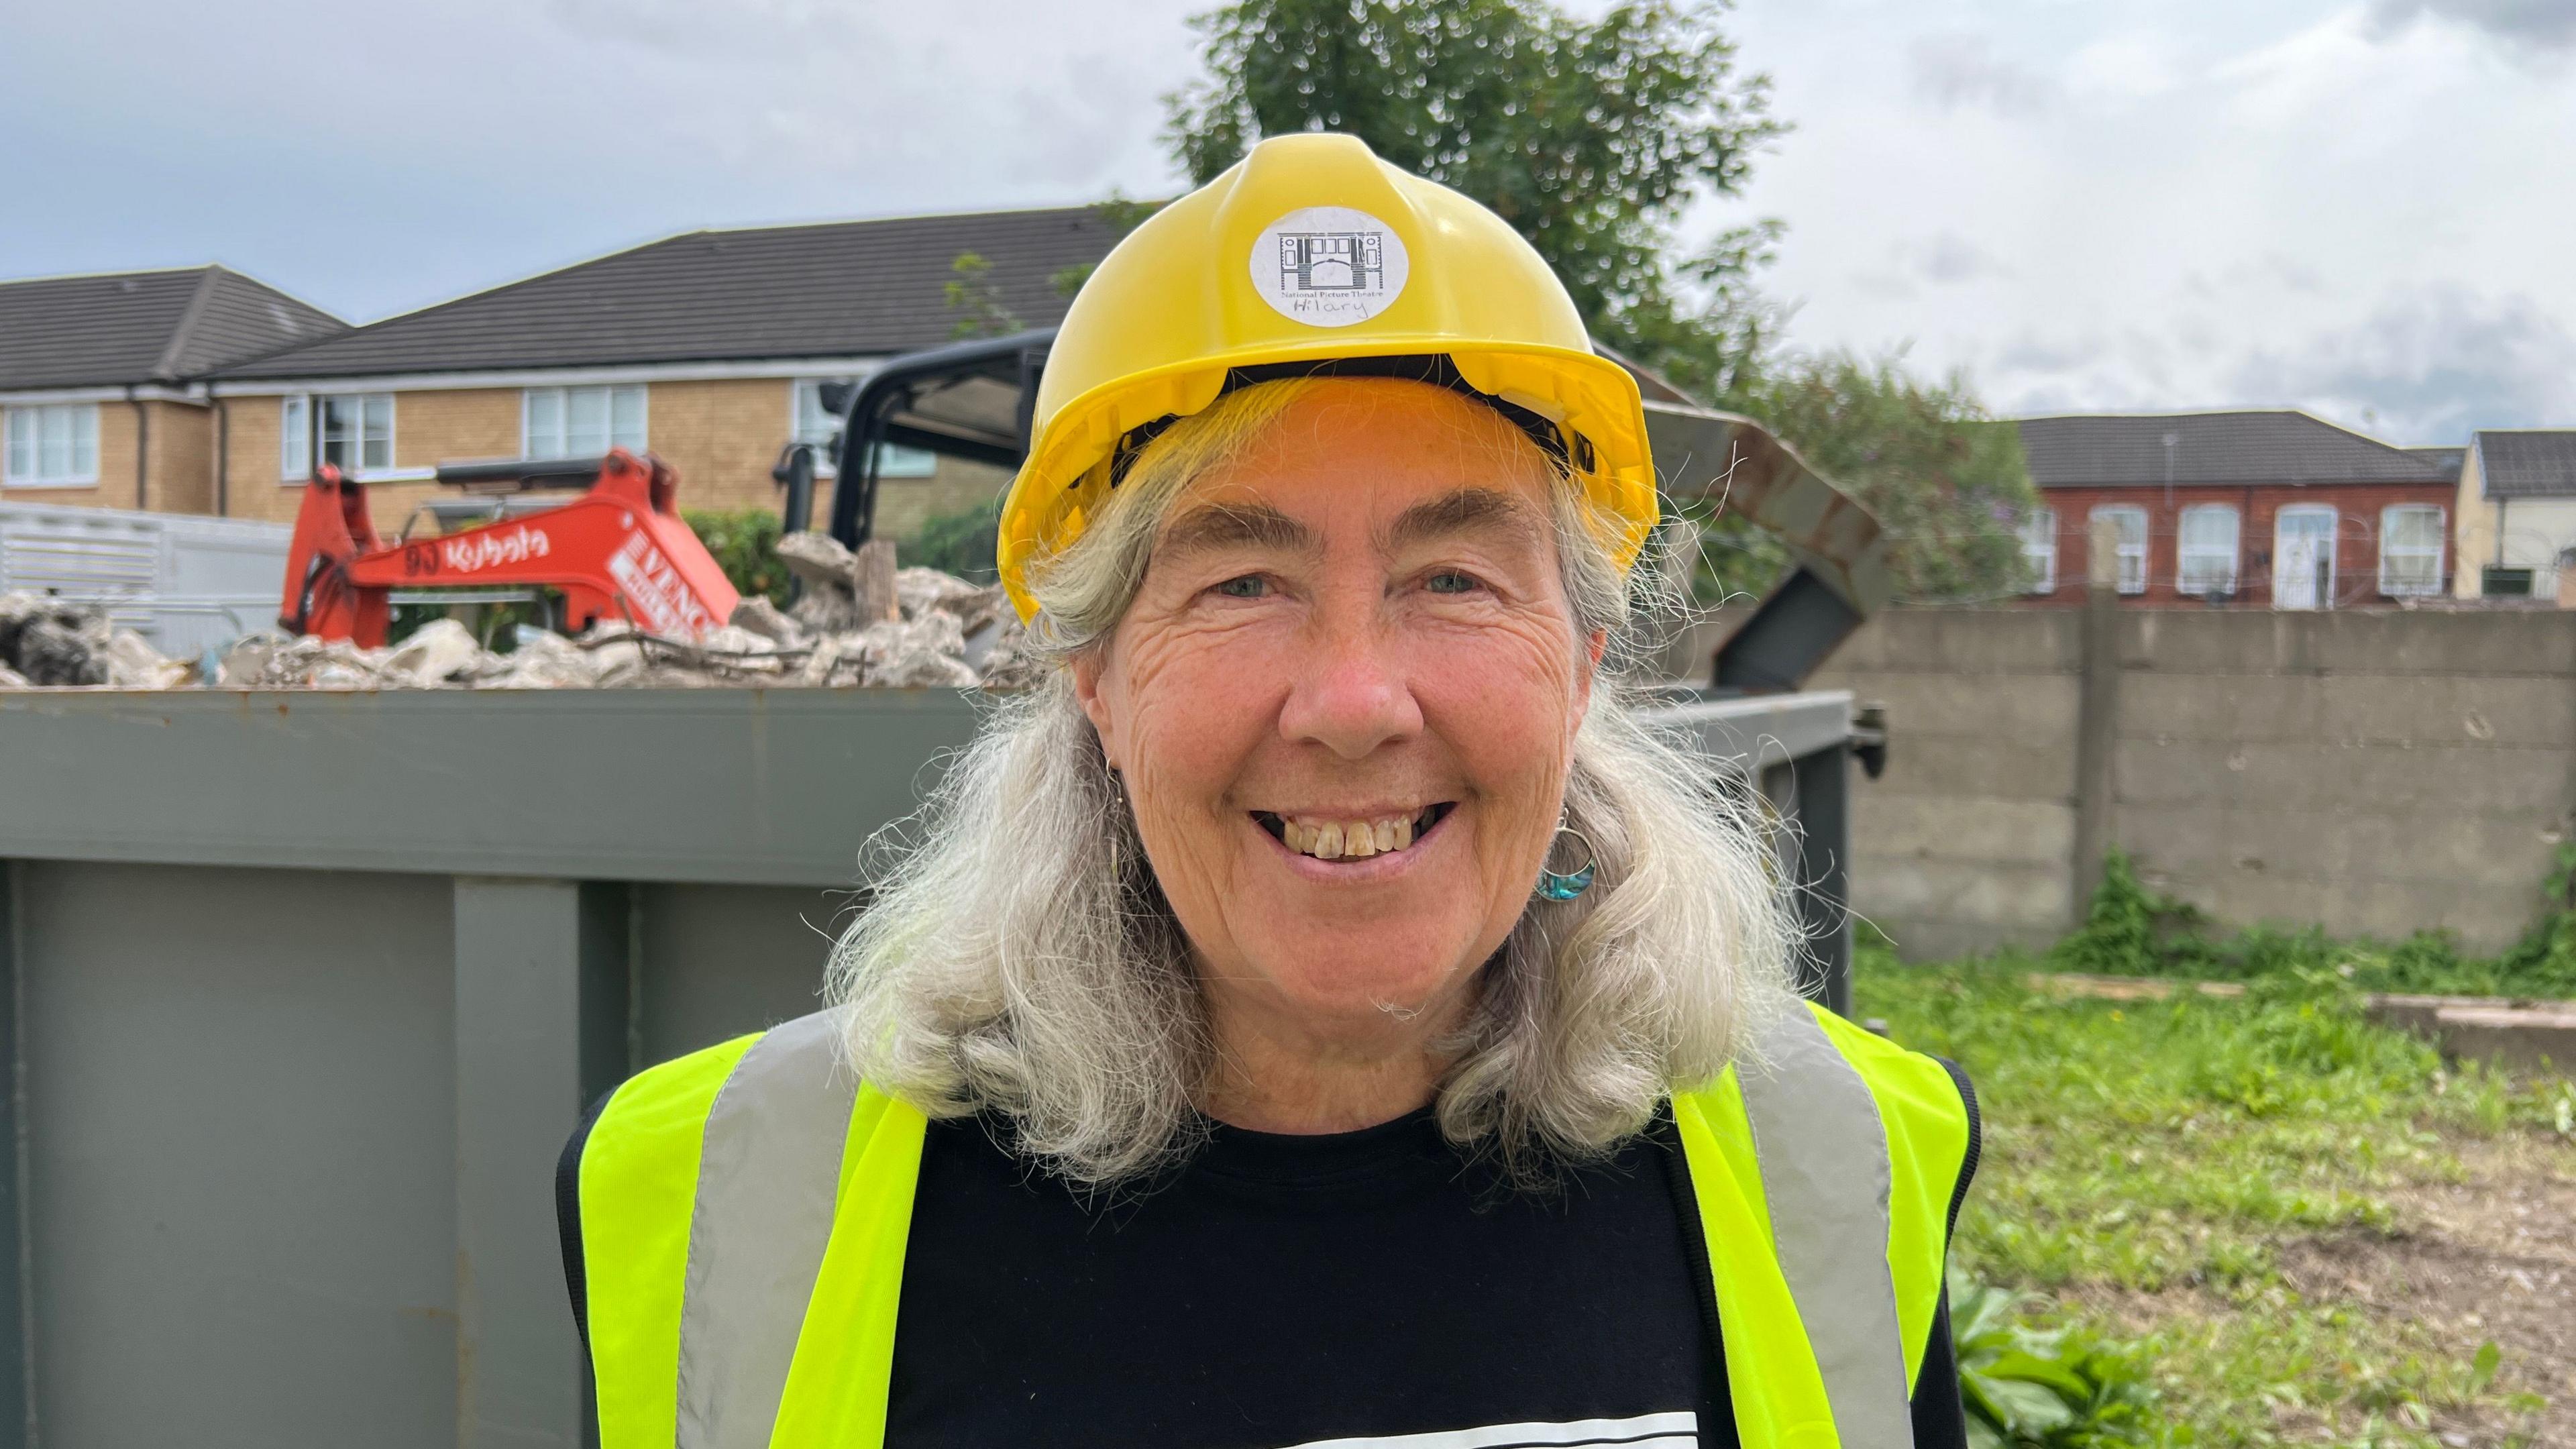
(2491, 1257)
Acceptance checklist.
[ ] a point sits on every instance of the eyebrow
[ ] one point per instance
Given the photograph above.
(1468, 510)
(1220, 526)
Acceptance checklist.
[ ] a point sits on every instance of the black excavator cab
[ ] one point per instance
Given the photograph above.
(975, 399)
(970, 400)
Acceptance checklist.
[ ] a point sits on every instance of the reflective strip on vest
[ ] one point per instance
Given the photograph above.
(1825, 1175)
(783, 1152)
(769, 1173)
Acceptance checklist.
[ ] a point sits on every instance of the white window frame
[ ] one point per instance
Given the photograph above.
(808, 423)
(2186, 554)
(2333, 543)
(2039, 548)
(2394, 589)
(295, 434)
(2132, 580)
(560, 441)
(22, 445)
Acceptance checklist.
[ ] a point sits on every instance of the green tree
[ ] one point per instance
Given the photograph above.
(1121, 216)
(977, 299)
(1945, 478)
(1591, 138)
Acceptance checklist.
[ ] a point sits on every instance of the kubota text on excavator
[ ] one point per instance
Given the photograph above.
(619, 550)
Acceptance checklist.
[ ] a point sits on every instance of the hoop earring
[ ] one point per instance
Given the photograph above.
(1556, 885)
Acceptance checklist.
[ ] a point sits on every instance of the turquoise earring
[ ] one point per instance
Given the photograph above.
(1556, 885)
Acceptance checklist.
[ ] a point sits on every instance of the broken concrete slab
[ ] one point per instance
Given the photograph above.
(2521, 1038)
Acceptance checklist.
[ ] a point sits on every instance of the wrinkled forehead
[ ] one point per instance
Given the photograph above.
(1392, 460)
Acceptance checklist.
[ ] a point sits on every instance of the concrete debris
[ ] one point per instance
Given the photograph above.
(819, 560)
(441, 651)
(770, 622)
(938, 632)
(46, 641)
(132, 663)
(545, 660)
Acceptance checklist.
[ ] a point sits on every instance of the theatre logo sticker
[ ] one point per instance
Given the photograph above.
(1328, 266)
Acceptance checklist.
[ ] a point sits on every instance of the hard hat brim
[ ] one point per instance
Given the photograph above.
(1060, 486)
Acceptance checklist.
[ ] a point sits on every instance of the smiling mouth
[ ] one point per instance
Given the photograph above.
(1328, 839)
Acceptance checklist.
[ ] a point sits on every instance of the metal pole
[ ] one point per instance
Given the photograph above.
(17, 1257)
(1824, 869)
(520, 951)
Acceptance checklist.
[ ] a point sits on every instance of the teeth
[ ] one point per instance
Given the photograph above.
(1348, 839)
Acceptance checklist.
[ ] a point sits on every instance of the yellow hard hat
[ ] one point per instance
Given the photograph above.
(1312, 255)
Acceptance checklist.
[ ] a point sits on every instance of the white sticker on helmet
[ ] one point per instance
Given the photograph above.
(1328, 266)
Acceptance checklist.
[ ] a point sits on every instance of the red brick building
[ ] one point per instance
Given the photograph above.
(2268, 509)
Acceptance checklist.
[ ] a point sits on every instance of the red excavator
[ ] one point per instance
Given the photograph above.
(620, 550)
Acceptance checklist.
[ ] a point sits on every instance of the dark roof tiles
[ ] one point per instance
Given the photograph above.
(116, 328)
(2098, 450)
(830, 290)
(2527, 463)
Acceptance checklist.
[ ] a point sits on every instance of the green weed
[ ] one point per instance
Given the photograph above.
(2146, 1164)
(2130, 930)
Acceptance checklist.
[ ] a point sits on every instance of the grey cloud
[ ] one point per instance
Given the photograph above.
(2431, 365)
(1958, 71)
(2028, 353)
(2548, 24)
(1887, 286)
(1950, 257)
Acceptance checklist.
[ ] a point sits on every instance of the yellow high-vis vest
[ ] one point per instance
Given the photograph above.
(744, 1212)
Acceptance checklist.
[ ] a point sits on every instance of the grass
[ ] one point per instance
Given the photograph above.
(2146, 1164)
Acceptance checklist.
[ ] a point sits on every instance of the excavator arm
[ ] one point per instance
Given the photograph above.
(619, 550)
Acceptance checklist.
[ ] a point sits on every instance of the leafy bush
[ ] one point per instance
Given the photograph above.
(745, 544)
(963, 543)
(2133, 931)
(2057, 1388)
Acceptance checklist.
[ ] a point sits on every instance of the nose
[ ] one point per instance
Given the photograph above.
(1349, 691)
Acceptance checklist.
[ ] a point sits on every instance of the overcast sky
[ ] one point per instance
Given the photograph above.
(2367, 209)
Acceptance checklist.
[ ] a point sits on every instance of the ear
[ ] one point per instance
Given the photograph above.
(1593, 649)
(1088, 667)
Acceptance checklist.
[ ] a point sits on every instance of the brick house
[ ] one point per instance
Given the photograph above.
(98, 400)
(708, 348)
(2252, 509)
(194, 391)
(2517, 512)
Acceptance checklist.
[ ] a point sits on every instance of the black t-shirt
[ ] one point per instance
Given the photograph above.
(1284, 1291)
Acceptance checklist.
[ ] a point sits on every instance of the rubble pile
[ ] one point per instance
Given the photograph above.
(858, 622)
(45, 641)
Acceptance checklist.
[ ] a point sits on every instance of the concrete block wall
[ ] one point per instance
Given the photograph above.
(2375, 772)
(1963, 843)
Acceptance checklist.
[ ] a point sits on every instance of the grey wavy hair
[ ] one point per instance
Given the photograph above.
(1017, 958)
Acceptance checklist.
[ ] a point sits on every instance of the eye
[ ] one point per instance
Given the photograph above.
(1450, 581)
(1247, 586)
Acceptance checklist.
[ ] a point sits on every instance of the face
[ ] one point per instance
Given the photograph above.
(1344, 703)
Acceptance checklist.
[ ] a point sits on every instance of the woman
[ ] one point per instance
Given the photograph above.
(1319, 1013)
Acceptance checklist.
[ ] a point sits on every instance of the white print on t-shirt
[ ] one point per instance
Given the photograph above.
(1646, 1431)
